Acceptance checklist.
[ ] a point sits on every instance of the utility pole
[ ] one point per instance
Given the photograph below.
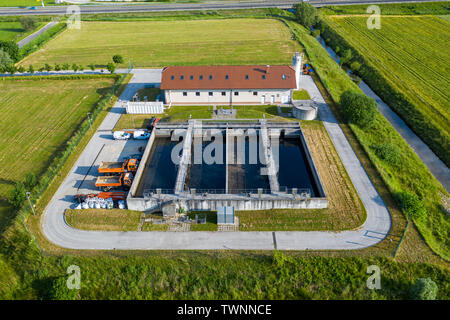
(89, 119)
(29, 201)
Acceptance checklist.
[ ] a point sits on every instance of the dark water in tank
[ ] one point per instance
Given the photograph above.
(293, 169)
(204, 174)
(245, 173)
(161, 171)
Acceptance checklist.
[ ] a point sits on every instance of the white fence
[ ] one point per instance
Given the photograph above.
(145, 107)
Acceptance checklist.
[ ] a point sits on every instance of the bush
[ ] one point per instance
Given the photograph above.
(355, 66)
(57, 67)
(11, 48)
(91, 66)
(117, 58)
(316, 33)
(75, 67)
(17, 196)
(59, 290)
(306, 14)
(27, 23)
(387, 152)
(358, 108)
(411, 205)
(30, 181)
(48, 67)
(65, 66)
(424, 289)
(31, 69)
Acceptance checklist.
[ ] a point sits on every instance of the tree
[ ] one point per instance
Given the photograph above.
(75, 67)
(17, 195)
(57, 67)
(5, 60)
(306, 14)
(91, 66)
(355, 66)
(358, 108)
(65, 66)
(59, 291)
(424, 289)
(27, 23)
(11, 48)
(346, 56)
(11, 69)
(21, 69)
(111, 67)
(48, 67)
(31, 69)
(117, 58)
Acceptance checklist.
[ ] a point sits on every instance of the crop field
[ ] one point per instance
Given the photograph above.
(38, 117)
(162, 43)
(410, 52)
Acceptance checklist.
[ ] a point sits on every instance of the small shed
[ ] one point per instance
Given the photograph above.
(225, 215)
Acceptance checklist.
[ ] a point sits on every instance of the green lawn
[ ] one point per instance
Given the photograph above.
(300, 95)
(162, 43)
(409, 53)
(12, 30)
(38, 117)
(25, 3)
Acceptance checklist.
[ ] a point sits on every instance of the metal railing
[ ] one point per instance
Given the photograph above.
(303, 192)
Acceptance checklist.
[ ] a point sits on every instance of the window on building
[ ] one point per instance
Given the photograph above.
(191, 77)
(197, 93)
(263, 76)
(172, 78)
(246, 77)
(210, 93)
(210, 77)
(201, 77)
(181, 77)
(184, 94)
(284, 76)
(236, 93)
(227, 77)
(224, 93)
(255, 93)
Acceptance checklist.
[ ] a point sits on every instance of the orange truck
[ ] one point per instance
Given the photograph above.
(110, 182)
(129, 165)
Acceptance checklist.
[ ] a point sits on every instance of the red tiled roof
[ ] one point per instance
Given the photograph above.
(228, 77)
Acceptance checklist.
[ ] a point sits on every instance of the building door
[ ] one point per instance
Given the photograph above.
(263, 99)
(272, 99)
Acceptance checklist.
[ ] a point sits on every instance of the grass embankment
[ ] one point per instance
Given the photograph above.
(13, 30)
(404, 63)
(103, 219)
(345, 211)
(434, 8)
(409, 174)
(159, 43)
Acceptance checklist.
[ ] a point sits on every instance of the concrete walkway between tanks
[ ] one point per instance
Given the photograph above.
(374, 230)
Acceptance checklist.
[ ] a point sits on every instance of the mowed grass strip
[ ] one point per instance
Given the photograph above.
(38, 117)
(162, 43)
(345, 210)
(103, 219)
(410, 52)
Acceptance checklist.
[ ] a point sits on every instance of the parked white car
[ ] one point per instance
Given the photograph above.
(121, 135)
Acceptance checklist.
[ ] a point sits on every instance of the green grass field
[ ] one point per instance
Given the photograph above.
(409, 52)
(162, 43)
(25, 3)
(12, 30)
(38, 117)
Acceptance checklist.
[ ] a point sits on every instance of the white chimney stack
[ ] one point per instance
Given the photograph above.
(297, 64)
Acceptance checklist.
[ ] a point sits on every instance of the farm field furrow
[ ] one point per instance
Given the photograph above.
(411, 53)
(162, 43)
(37, 118)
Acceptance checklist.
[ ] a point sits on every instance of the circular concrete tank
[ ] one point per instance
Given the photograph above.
(304, 109)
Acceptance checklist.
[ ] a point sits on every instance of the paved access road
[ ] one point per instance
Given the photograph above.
(374, 230)
(217, 5)
(33, 36)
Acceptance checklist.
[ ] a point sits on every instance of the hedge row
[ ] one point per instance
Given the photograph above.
(61, 77)
(435, 138)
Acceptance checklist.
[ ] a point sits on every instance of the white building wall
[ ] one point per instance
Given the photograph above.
(243, 97)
